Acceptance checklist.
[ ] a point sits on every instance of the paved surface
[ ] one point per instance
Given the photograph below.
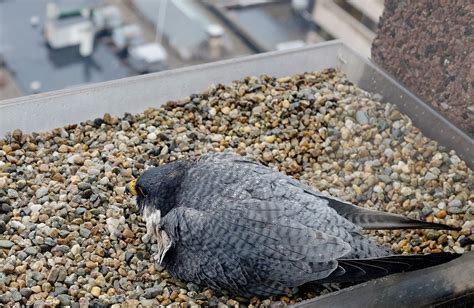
(29, 59)
(270, 24)
(133, 16)
(8, 87)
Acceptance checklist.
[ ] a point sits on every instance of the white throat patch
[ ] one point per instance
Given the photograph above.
(152, 218)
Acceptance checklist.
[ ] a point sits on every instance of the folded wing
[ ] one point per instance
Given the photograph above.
(240, 250)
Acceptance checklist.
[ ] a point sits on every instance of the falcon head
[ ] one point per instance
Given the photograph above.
(157, 188)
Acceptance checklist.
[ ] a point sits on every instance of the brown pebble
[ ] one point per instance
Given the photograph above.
(166, 302)
(107, 118)
(17, 134)
(127, 233)
(43, 168)
(267, 156)
(63, 148)
(441, 214)
(174, 295)
(95, 291)
(443, 239)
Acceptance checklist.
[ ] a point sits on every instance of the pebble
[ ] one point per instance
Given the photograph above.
(362, 117)
(441, 214)
(64, 299)
(16, 225)
(43, 168)
(433, 235)
(35, 208)
(455, 203)
(267, 156)
(151, 136)
(32, 250)
(95, 291)
(458, 249)
(26, 292)
(78, 238)
(12, 194)
(76, 249)
(152, 292)
(225, 110)
(125, 125)
(6, 244)
(430, 176)
(443, 239)
(454, 210)
(41, 192)
(77, 160)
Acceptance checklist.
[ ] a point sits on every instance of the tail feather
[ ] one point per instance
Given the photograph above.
(375, 220)
(358, 270)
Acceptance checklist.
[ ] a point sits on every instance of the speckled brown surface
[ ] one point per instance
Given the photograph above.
(429, 46)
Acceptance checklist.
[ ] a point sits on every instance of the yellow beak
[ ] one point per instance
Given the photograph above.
(132, 187)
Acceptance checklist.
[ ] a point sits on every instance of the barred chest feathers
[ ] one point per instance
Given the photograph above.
(152, 218)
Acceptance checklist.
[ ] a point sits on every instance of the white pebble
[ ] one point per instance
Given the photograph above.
(151, 136)
(35, 208)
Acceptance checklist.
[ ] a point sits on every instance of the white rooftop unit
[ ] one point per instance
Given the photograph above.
(187, 30)
(107, 17)
(290, 45)
(69, 26)
(127, 36)
(150, 53)
(147, 57)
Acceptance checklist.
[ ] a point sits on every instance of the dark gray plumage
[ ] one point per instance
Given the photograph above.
(231, 223)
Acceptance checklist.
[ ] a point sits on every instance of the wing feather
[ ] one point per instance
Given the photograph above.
(242, 243)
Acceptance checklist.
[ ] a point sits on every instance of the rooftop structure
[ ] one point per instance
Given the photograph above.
(39, 68)
(189, 32)
(146, 58)
(69, 27)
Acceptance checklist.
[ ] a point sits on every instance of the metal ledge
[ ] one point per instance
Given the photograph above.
(442, 286)
(55, 109)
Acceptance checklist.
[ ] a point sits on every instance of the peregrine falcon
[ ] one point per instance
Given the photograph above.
(233, 224)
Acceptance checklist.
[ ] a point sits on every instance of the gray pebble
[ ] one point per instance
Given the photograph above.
(6, 297)
(385, 178)
(21, 255)
(5, 208)
(26, 292)
(84, 232)
(455, 203)
(454, 210)
(16, 225)
(41, 192)
(80, 210)
(152, 292)
(32, 250)
(430, 176)
(12, 194)
(362, 117)
(125, 125)
(84, 186)
(6, 244)
(64, 299)
(60, 290)
(16, 295)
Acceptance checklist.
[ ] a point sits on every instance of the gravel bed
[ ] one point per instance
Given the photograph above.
(69, 234)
